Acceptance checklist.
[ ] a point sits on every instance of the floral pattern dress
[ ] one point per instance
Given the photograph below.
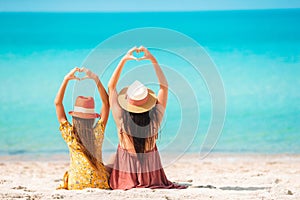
(81, 174)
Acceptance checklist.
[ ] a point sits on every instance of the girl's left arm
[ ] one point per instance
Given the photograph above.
(60, 110)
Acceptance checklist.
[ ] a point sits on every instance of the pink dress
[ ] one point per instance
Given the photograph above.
(129, 172)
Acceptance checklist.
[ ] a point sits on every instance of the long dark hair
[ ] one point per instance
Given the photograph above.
(83, 131)
(141, 128)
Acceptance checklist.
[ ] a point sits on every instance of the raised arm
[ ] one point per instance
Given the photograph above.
(116, 75)
(113, 96)
(60, 110)
(103, 94)
(162, 96)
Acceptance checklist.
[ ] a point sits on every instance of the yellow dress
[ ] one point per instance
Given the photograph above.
(81, 174)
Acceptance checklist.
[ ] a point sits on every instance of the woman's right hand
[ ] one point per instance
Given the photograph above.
(129, 56)
(71, 74)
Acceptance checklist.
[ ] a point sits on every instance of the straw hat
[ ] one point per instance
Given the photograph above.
(84, 108)
(137, 98)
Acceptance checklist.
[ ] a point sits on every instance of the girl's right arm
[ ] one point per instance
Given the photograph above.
(113, 95)
(116, 75)
(60, 111)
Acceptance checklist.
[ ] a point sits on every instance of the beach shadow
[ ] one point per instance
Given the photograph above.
(182, 184)
(237, 188)
(203, 186)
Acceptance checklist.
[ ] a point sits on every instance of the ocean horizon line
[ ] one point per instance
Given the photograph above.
(154, 11)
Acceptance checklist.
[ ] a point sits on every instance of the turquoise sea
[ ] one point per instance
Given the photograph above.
(256, 52)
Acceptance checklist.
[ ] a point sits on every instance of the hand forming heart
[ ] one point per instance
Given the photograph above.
(141, 53)
(89, 74)
(138, 54)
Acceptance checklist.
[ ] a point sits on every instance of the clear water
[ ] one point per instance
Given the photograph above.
(256, 52)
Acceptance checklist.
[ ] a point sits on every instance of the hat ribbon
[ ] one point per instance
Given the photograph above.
(84, 110)
(138, 102)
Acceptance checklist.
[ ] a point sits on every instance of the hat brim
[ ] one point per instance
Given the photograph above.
(84, 115)
(151, 102)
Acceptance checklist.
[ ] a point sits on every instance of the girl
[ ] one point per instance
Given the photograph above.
(84, 141)
(138, 113)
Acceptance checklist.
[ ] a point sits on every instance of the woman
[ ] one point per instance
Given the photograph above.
(84, 141)
(138, 113)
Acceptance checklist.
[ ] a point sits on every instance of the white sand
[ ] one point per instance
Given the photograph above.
(215, 177)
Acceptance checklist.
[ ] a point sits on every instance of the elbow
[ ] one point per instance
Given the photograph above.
(106, 103)
(110, 87)
(57, 102)
(167, 85)
(164, 86)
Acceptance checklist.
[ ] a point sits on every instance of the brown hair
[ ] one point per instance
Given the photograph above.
(83, 131)
(141, 128)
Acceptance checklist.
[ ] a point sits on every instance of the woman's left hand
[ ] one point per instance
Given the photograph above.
(147, 53)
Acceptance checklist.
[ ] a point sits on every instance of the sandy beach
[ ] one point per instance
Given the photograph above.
(218, 176)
